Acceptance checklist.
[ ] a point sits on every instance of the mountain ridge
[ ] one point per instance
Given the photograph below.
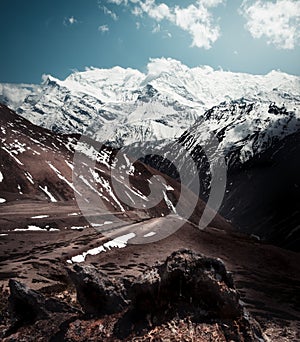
(118, 101)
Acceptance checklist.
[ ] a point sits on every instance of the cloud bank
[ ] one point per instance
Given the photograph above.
(196, 19)
(278, 22)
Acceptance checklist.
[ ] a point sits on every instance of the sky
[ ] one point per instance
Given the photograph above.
(59, 36)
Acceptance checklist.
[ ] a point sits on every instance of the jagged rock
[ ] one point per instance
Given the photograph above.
(187, 282)
(187, 297)
(185, 286)
(96, 293)
(193, 286)
(26, 305)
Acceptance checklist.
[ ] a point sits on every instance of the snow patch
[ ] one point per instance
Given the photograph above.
(105, 184)
(29, 177)
(60, 176)
(29, 228)
(18, 147)
(119, 242)
(46, 191)
(73, 214)
(101, 224)
(78, 227)
(168, 187)
(39, 216)
(150, 234)
(10, 153)
(36, 229)
(129, 165)
(69, 164)
(169, 203)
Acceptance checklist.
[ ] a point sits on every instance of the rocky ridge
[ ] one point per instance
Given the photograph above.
(186, 290)
(123, 106)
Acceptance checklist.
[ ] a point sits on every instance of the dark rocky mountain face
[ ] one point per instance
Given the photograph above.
(262, 193)
(263, 196)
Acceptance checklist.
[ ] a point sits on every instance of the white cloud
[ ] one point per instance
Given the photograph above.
(196, 19)
(103, 28)
(278, 21)
(156, 12)
(156, 28)
(137, 11)
(106, 10)
(138, 25)
(70, 21)
(118, 2)
(110, 13)
(211, 3)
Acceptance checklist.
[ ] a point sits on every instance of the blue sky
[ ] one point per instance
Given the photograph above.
(57, 36)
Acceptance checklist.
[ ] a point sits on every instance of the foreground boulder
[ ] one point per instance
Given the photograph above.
(187, 288)
(97, 293)
(187, 297)
(27, 306)
(185, 283)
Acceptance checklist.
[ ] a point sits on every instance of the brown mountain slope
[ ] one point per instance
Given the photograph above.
(53, 235)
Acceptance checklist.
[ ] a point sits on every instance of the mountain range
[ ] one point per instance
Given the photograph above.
(71, 265)
(100, 208)
(177, 110)
(123, 106)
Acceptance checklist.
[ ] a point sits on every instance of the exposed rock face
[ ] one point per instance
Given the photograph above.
(38, 315)
(185, 285)
(188, 295)
(27, 305)
(186, 282)
(96, 293)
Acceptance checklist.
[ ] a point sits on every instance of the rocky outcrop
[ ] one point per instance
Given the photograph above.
(187, 297)
(185, 285)
(32, 315)
(27, 306)
(186, 282)
(96, 293)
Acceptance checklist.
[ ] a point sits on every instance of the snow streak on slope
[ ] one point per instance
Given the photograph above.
(38, 166)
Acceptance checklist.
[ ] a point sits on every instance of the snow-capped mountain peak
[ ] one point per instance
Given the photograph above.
(122, 106)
